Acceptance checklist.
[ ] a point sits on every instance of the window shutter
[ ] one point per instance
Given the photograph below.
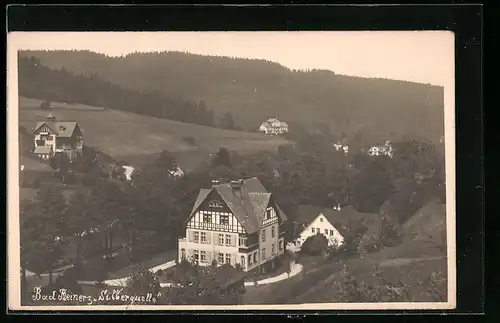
(233, 260)
(209, 237)
(209, 257)
(234, 240)
(190, 236)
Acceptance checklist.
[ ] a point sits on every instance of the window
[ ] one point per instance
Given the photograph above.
(207, 218)
(312, 229)
(183, 253)
(220, 258)
(326, 231)
(216, 204)
(224, 219)
(281, 245)
(203, 256)
(242, 261)
(228, 258)
(196, 235)
(273, 249)
(273, 231)
(263, 235)
(242, 241)
(221, 239)
(196, 255)
(228, 239)
(331, 232)
(255, 257)
(320, 219)
(263, 253)
(249, 260)
(268, 214)
(203, 236)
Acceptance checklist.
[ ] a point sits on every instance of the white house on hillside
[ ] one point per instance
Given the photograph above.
(234, 223)
(384, 150)
(273, 126)
(311, 220)
(341, 145)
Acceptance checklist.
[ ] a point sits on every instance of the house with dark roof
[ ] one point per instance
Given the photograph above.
(52, 136)
(273, 126)
(235, 223)
(333, 223)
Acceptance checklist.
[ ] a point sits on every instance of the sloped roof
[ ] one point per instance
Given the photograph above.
(42, 150)
(60, 128)
(248, 203)
(339, 219)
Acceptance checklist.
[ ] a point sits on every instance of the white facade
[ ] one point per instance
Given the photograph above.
(340, 147)
(219, 236)
(273, 127)
(384, 150)
(323, 226)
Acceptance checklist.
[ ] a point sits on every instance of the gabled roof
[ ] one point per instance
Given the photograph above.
(60, 128)
(339, 219)
(248, 203)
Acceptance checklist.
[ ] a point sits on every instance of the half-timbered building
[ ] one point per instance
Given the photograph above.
(236, 223)
(52, 136)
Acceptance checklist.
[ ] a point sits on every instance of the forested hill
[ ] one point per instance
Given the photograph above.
(256, 89)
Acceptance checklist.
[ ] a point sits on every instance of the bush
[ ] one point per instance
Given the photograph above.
(315, 245)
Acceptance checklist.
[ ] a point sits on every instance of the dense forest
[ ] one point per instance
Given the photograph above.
(41, 82)
(253, 90)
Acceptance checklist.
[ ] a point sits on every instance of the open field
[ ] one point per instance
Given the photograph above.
(122, 134)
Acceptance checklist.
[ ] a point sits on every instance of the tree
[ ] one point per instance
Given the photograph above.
(82, 218)
(227, 121)
(142, 283)
(45, 105)
(45, 233)
(205, 285)
(222, 158)
(315, 245)
(61, 163)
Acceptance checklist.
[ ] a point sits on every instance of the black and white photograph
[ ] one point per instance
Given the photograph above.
(231, 170)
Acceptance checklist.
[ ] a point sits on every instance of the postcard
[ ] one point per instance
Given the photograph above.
(231, 170)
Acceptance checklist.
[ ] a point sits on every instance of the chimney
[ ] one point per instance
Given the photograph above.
(215, 183)
(50, 117)
(236, 185)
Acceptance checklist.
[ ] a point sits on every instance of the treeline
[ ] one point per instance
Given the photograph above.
(254, 90)
(41, 82)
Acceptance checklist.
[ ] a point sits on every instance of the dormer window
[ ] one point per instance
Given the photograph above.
(62, 128)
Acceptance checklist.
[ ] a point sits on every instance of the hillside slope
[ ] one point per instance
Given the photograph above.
(128, 135)
(255, 89)
(428, 224)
